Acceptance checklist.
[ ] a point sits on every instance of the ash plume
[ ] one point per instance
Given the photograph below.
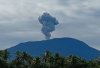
(48, 24)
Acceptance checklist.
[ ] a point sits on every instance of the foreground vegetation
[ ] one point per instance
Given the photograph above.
(47, 60)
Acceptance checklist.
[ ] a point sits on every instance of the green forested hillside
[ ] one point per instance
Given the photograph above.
(46, 60)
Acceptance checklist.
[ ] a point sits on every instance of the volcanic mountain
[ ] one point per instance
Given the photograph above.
(64, 46)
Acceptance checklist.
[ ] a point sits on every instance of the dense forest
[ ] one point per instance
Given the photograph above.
(46, 60)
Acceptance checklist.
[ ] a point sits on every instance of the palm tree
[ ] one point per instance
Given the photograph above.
(17, 62)
(6, 54)
(37, 62)
(46, 56)
(57, 60)
(76, 62)
(99, 61)
(24, 57)
(62, 62)
(92, 64)
(51, 61)
(1, 54)
(30, 61)
(3, 63)
(18, 54)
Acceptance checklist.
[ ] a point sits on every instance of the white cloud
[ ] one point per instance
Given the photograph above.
(78, 19)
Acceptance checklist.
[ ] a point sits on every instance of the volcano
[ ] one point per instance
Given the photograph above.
(65, 46)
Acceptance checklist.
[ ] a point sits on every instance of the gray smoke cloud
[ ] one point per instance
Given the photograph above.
(48, 24)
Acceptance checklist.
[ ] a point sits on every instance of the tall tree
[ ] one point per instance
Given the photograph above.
(6, 54)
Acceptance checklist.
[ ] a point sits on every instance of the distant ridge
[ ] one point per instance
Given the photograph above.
(64, 46)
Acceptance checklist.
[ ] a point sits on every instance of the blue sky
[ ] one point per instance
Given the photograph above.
(78, 19)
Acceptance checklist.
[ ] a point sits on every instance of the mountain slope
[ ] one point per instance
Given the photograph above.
(64, 46)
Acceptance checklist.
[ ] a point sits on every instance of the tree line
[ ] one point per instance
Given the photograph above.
(46, 60)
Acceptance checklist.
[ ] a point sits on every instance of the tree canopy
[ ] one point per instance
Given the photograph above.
(46, 60)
